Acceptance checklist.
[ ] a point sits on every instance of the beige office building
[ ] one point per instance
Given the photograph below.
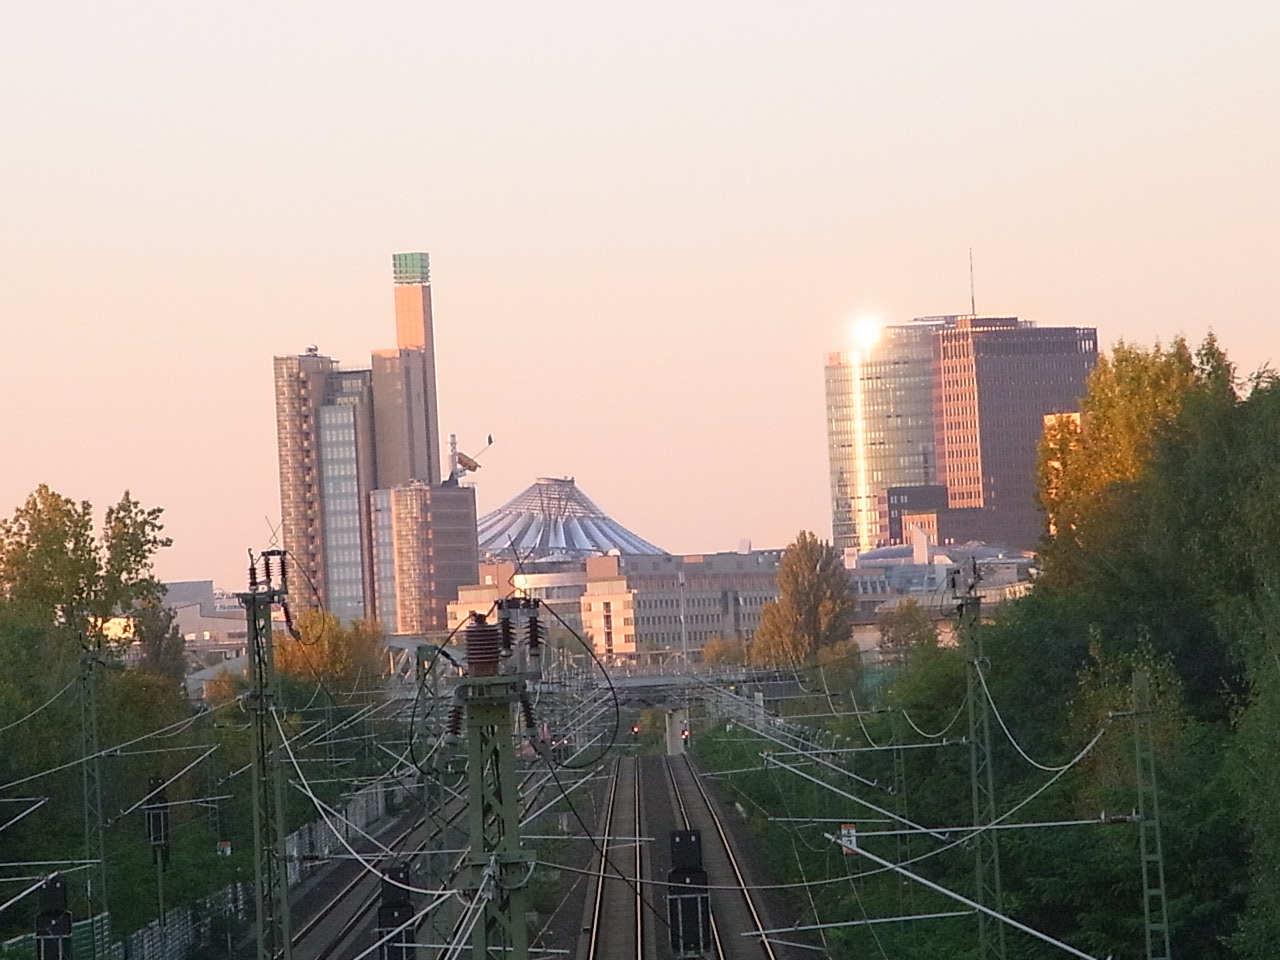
(364, 444)
(649, 609)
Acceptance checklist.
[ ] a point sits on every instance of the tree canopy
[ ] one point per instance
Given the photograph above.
(815, 604)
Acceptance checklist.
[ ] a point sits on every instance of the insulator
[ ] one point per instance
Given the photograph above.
(533, 632)
(526, 711)
(266, 569)
(484, 647)
(507, 629)
(453, 728)
(253, 574)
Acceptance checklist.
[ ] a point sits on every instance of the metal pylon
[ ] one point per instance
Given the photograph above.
(906, 889)
(271, 880)
(1155, 908)
(91, 749)
(986, 850)
(497, 870)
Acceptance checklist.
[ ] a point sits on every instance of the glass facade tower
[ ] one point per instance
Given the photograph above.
(953, 403)
(879, 427)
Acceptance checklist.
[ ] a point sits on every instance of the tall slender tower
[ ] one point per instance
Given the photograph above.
(351, 444)
(416, 359)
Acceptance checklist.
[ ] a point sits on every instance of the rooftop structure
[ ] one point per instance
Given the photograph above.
(554, 519)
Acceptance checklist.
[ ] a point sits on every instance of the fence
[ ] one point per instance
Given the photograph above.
(186, 927)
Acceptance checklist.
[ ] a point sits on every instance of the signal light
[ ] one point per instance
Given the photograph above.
(685, 733)
(635, 729)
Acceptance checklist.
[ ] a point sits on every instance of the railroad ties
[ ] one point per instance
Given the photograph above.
(669, 856)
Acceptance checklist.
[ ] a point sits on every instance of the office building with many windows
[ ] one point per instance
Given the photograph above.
(948, 405)
(363, 509)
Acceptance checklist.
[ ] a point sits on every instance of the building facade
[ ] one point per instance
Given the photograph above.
(880, 430)
(424, 549)
(638, 608)
(649, 609)
(952, 402)
(371, 530)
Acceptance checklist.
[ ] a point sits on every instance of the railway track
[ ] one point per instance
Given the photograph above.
(648, 798)
(615, 925)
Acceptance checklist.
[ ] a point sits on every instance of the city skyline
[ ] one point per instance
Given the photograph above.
(647, 231)
(369, 524)
(940, 419)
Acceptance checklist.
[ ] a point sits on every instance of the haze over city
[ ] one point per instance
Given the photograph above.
(647, 226)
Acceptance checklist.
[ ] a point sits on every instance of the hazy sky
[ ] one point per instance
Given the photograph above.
(647, 223)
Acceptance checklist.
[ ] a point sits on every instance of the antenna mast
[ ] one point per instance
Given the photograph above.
(973, 303)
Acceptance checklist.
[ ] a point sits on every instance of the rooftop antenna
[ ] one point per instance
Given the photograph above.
(973, 308)
(459, 462)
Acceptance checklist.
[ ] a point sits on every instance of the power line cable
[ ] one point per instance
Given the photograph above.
(47, 703)
(1003, 726)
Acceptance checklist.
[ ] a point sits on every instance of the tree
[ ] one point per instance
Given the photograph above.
(904, 626)
(53, 570)
(815, 604)
(721, 649)
(344, 659)
(1087, 464)
(162, 646)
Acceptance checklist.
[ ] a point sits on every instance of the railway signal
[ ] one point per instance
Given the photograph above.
(688, 903)
(53, 922)
(395, 913)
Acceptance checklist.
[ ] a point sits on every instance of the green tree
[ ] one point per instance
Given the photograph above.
(815, 604)
(54, 570)
(904, 626)
(162, 647)
(1087, 465)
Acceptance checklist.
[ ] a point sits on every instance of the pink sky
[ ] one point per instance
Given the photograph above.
(647, 224)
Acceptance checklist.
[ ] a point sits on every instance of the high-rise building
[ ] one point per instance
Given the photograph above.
(424, 549)
(996, 379)
(879, 425)
(956, 402)
(354, 445)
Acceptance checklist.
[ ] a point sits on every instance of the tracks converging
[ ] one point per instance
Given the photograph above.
(626, 912)
(615, 927)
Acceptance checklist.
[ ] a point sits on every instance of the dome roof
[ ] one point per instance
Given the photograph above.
(554, 519)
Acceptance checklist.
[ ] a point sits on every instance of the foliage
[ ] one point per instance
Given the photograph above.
(721, 649)
(344, 659)
(905, 626)
(815, 604)
(162, 647)
(53, 570)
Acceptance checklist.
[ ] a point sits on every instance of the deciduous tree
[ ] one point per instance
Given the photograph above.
(815, 604)
(344, 659)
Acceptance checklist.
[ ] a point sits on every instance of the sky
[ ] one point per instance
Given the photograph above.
(648, 224)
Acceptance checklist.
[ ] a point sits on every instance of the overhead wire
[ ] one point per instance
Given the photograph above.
(1003, 726)
(47, 703)
(323, 809)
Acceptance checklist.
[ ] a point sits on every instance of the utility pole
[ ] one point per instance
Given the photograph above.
(496, 869)
(91, 664)
(440, 921)
(986, 850)
(1155, 909)
(271, 879)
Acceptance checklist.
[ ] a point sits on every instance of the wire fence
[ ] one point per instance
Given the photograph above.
(186, 927)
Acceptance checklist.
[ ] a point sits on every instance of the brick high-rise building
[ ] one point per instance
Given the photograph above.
(956, 401)
(350, 440)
